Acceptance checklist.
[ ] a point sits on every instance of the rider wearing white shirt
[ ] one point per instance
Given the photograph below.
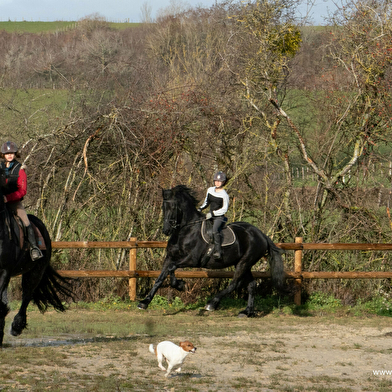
(218, 201)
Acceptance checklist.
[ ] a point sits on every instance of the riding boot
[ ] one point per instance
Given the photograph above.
(35, 252)
(217, 246)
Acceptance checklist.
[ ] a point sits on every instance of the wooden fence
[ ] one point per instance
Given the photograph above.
(298, 274)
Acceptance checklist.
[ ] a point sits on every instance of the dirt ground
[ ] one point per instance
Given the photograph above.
(272, 353)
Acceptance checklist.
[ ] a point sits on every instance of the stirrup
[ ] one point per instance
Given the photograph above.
(207, 256)
(35, 253)
(217, 255)
(210, 250)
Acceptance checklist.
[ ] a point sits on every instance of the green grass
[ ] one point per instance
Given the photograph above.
(51, 27)
(317, 303)
(35, 27)
(35, 107)
(122, 26)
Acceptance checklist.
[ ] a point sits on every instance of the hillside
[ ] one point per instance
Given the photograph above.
(50, 27)
(106, 117)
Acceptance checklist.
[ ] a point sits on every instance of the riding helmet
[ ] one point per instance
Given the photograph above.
(9, 147)
(220, 176)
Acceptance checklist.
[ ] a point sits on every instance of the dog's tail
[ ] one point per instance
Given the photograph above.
(151, 349)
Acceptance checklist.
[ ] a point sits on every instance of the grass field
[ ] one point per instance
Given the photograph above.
(50, 27)
(35, 27)
(24, 113)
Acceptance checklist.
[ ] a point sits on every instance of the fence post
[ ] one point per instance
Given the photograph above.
(132, 267)
(298, 268)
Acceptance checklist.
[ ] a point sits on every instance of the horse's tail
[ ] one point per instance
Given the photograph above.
(52, 290)
(276, 264)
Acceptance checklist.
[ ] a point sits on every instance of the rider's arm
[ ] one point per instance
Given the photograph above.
(22, 188)
(206, 201)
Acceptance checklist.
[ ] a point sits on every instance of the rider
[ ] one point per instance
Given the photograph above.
(14, 191)
(218, 200)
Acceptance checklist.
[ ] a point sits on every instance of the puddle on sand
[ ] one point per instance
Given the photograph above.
(67, 340)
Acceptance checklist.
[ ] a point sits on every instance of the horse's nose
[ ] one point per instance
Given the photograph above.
(166, 229)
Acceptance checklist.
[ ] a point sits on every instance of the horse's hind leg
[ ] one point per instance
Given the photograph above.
(4, 309)
(213, 304)
(30, 281)
(242, 276)
(249, 311)
(20, 320)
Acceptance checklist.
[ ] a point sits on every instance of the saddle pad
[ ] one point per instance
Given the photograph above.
(20, 235)
(228, 236)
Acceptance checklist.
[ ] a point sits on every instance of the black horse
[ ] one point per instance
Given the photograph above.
(186, 248)
(40, 282)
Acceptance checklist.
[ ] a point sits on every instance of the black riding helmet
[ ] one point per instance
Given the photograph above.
(9, 148)
(220, 176)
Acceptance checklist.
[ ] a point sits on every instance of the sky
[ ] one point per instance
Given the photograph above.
(111, 10)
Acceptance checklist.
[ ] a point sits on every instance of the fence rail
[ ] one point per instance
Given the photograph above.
(298, 274)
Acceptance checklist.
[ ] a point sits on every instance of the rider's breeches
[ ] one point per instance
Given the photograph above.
(218, 224)
(18, 209)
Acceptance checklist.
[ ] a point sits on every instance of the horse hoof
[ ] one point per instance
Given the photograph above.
(15, 332)
(18, 325)
(209, 307)
(181, 285)
(246, 314)
(142, 306)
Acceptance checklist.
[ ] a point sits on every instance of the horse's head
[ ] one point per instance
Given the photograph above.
(179, 207)
(170, 211)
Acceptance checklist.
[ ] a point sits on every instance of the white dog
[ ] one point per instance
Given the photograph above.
(173, 354)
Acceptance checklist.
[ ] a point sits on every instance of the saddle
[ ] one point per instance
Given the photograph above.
(228, 236)
(17, 232)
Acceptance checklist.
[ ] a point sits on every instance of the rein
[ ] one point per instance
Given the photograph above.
(173, 221)
(193, 222)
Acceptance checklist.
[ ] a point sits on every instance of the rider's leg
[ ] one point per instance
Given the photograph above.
(18, 208)
(216, 232)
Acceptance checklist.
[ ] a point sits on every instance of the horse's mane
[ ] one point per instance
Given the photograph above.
(2, 177)
(184, 191)
(2, 182)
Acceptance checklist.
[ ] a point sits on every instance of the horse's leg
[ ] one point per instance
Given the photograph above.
(20, 320)
(4, 309)
(30, 281)
(249, 311)
(167, 265)
(240, 278)
(177, 284)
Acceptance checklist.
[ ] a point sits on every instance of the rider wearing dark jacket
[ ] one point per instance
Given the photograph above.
(14, 191)
(218, 201)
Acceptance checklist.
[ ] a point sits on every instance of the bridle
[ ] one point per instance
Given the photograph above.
(173, 220)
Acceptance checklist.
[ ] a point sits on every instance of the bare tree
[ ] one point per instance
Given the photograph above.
(146, 13)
